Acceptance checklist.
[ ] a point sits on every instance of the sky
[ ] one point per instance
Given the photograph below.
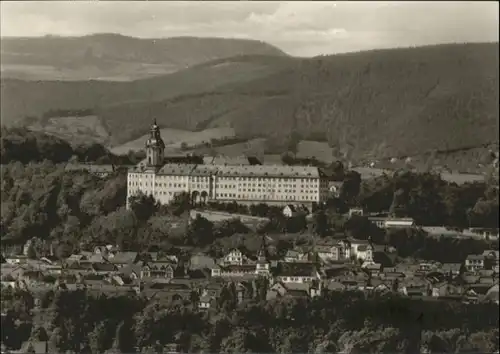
(301, 28)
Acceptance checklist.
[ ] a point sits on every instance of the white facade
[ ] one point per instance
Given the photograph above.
(297, 279)
(234, 257)
(393, 223)
(243, 183)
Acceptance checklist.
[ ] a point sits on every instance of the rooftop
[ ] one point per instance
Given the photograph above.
(232, 170)
(226, 160)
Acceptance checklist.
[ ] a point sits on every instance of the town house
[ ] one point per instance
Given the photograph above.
(474, 262)
(297, 272)
(234, 270)
(491, 260)
(360, 249)
(158, 269)
(280, 289)
(334, 251)
(296, 255)
(451, 268)
(234, 257)
(392, 223)
(328, 253)
(122, 259)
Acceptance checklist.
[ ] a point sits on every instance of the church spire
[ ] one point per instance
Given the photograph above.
(155, 146)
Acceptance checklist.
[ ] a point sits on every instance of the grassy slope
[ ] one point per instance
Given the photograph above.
(173, 139)
(25, 98)
(382, 103)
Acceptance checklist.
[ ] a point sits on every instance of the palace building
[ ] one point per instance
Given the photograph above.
(245, 184)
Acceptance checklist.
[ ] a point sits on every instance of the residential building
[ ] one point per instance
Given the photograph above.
(334, 251)
(234, 257)
(246, 184)
(280, 289)
(392, 223)
(451, 268)
(206, 301)
(296, 255)
(474, 262)
(157, 270)
(487, 234)
(356, 211)
(491, 260)
(234, 270)
(361, 249)
(289, 210)
(297, 272)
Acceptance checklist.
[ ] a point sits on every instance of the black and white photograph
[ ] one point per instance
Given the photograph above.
(249, 177)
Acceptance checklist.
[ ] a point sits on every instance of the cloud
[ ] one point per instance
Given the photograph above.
(303, 28)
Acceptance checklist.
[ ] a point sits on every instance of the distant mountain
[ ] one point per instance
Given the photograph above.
(116, 57)
(370, 104)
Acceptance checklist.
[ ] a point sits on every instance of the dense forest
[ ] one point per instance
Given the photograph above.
(346, 322)
(24, 145)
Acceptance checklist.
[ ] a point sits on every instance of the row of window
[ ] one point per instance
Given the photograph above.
(197, 186)
(249, 196)
(260, 185)
(264, 197)
(258, 190)
(295, 278)
(269, 179)
(150, 184)
(226, 179)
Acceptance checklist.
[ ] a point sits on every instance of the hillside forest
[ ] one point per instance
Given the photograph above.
(370, 105)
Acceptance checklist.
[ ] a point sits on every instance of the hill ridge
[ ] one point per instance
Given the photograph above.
(378, 103)
(117, 57)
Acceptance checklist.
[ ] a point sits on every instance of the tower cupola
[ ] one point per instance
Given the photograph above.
(155, 147)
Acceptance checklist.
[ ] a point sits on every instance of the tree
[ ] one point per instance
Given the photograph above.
(287, 158)
(338, 170)
(98, 338)
(181, 203)
(125, 337)
(57, 341)
(350, 187)
(320, 223)
(429, 164)
(399, 203)
(200, 231)
(293, 143)
(143, 206)
(31, 252)
(39, 334)
(261, 287)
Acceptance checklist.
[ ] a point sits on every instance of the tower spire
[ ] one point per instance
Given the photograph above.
(155, 146)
